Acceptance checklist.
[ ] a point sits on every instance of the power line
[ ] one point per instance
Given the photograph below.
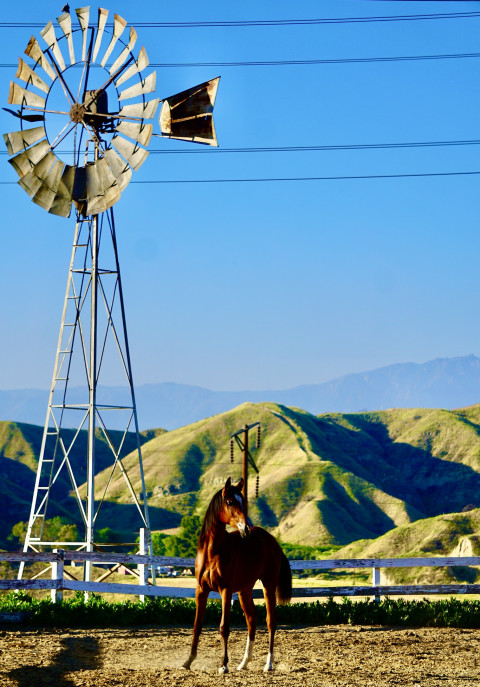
(274, 22)
(340, 60)
(276, 179)
(300, 149)
(301, 63)
(329, 178)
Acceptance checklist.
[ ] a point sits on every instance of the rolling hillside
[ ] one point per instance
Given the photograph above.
(329, 479)
(19, 452)
(452, 534)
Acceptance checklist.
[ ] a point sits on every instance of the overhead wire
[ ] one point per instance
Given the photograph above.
(321, 178)
(352, 177)
(301, 149)
(300, 63)
(245, 23)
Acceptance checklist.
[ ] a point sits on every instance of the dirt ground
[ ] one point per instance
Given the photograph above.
(327, 655)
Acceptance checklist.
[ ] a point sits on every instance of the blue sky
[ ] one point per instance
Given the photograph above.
(274, 284)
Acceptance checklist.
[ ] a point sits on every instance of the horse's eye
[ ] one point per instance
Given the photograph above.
(229, 502)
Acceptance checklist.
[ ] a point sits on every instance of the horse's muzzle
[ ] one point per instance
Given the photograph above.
(245, 528)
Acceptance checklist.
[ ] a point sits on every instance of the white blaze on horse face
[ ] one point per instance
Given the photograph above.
(240, 526)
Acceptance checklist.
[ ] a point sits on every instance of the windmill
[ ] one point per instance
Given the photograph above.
(85, 105)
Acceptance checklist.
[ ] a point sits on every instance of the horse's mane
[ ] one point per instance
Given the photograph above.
(211, 516)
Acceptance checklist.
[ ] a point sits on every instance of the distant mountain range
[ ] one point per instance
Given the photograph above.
(442, 383)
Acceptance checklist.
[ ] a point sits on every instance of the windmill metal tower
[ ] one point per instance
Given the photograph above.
(85, 107)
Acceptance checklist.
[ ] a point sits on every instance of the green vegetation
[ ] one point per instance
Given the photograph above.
(183, 544)
(453, 534)
(56, 529)
(336, 480)
(96, 612)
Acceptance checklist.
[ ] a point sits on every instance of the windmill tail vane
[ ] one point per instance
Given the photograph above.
(87, 90)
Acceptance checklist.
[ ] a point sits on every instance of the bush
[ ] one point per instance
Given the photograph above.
(96, 612)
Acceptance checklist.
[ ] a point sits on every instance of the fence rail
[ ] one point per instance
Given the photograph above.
(60, 581)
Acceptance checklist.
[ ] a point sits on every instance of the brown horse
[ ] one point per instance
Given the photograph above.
(229, 562)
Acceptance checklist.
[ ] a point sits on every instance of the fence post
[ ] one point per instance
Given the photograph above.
(376, 582)
(142, 568)
(57, 574)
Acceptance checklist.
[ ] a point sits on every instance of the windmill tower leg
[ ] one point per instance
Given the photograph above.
(85, 340)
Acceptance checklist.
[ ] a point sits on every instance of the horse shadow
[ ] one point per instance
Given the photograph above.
(76, 653)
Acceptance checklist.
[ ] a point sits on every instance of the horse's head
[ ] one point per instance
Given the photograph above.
(234, 508)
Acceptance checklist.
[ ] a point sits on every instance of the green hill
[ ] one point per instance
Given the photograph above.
(330, 479)
(452, 534)
(324, 480)
(20, 446)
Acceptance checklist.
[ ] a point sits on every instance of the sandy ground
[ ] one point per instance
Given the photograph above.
(148, 657)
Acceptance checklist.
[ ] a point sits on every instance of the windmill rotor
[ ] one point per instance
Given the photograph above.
(62, 87)
(79, 103)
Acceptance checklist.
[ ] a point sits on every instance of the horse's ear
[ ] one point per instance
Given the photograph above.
(239, 484)
(228, 484)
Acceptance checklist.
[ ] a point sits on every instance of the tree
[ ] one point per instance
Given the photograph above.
(56, 529)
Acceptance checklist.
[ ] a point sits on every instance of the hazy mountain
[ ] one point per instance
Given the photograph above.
(442, 383)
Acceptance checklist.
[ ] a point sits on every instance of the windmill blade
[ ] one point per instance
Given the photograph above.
(62, 203)
(141, 110)
(102, 190)
(34, 51)
(71, 187)
(140, 88)
(32, 181)
(141, 133)
(131, 152)
(26, 74)
(21, 96)
(140, 63)
(119, 168)
(119, 25)
(48, 190)
(65, 22)
(20, 140)
(102, 20)
(83, 15)
(126, 52)
(187, 116)
(48, 35)
(24, 161)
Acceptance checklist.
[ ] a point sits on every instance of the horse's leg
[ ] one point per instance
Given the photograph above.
(271, 606)
(201, 604)
(225, 626)
(248, 607)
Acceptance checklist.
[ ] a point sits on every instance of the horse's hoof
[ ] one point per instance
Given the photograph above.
(242, 666)
(268, 668)
(222, 670)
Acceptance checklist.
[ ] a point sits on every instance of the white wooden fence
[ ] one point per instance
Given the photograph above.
(61, 579)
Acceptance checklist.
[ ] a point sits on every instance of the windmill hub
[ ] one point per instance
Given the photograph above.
(77, 113)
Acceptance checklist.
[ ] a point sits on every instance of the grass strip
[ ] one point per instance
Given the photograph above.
(97, 613)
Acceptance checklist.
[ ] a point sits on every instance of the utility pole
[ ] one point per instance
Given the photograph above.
(241, 438)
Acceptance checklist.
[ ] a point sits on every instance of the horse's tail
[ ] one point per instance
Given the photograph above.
(284, 586)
